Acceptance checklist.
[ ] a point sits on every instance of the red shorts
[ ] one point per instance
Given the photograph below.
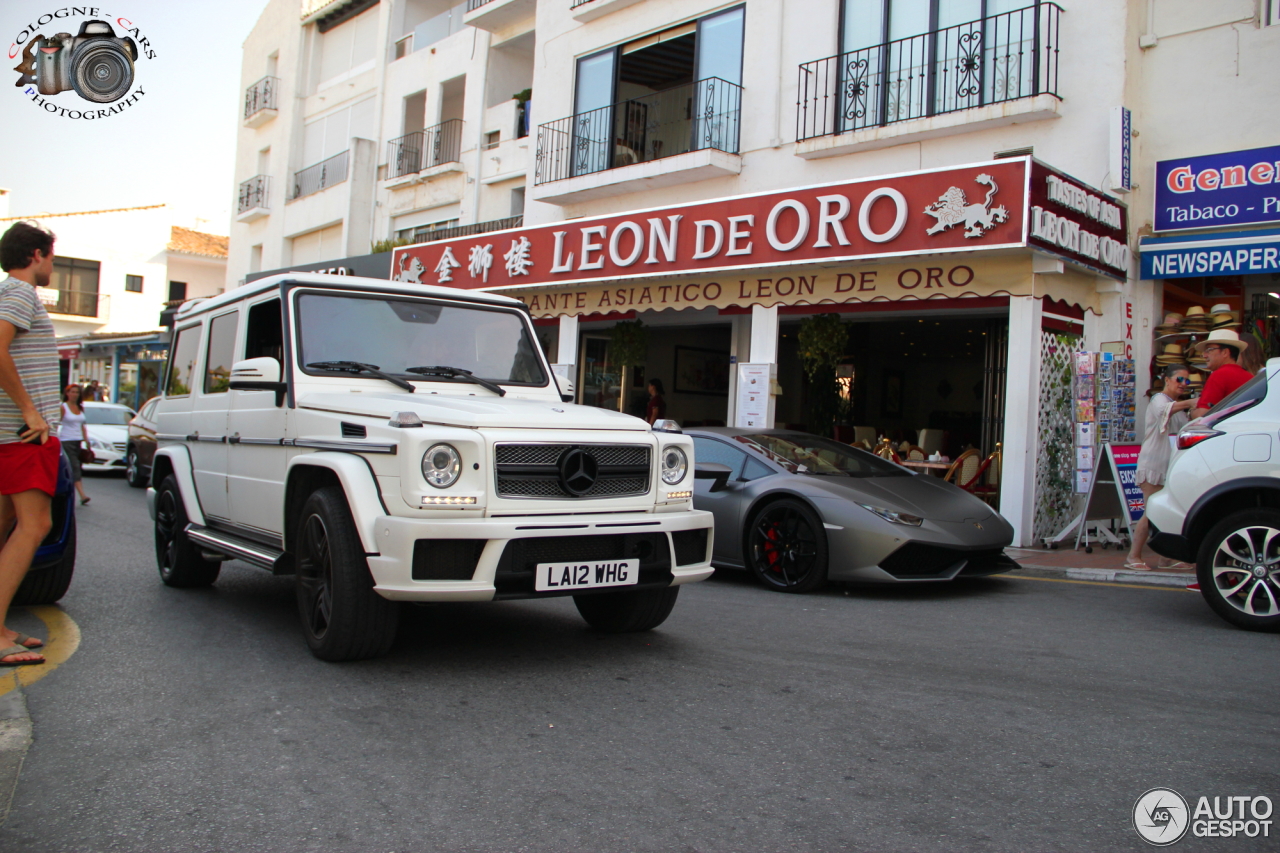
(24, 467)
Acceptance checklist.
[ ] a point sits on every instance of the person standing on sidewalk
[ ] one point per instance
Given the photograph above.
(29, 412)
(1166, 414)
(1221, 350)
(73, 435)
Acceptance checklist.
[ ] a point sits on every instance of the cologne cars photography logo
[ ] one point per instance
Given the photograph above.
(1160, 816)
(98, 63)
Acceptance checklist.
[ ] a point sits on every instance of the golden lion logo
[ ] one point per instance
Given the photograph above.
(952, 208)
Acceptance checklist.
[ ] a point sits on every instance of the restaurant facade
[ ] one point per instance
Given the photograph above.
(963, 290)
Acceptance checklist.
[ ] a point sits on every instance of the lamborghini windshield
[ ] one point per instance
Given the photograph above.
(396, 333)
(801, 453)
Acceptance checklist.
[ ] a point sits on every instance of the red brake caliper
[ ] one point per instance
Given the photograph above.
(771, 553)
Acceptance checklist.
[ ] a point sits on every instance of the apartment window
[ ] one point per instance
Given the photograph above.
(133, 283)
(76, 281)
(415, 112)
(330, 135)
(177, 291)
(517, 201)
(324, 244)
(347, 49)
(492, 139)
(1272, 16)
(439, 27)
(255, 258)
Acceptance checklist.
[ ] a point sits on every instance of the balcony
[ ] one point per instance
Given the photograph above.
(425, 153)
(498, 16)
(76, 303)
(426, 235)
(260, 105)
(995, 71)
(589, 10)
(698, 123)
(253, 200)
(321, 176)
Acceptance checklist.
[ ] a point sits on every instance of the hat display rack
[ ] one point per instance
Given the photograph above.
(1176, 337)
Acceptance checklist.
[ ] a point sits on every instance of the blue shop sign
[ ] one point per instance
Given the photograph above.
(1236, 253)
(1237, 188)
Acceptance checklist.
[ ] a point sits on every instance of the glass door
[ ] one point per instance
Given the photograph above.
(717, 107)
(599, 380)
(591, 147)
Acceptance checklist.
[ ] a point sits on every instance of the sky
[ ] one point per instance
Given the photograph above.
(174, 145)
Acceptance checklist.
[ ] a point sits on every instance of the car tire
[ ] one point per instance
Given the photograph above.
(342, 616)
(1228, 565)
(627, 612)
(48, 585)
(179, 560)
(133, 470)
(786, 547)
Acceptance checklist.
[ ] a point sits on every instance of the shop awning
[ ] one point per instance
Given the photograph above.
(1223, 253)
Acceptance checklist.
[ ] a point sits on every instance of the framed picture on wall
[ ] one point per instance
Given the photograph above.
(701, 371)
(891, 394)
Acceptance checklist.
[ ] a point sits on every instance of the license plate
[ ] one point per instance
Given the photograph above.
(555, 576)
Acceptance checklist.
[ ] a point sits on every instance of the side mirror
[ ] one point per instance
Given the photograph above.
(258, 374)
(714, 471)
(565, 385)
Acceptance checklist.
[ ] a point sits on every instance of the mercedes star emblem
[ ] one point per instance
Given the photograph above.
(578, 471)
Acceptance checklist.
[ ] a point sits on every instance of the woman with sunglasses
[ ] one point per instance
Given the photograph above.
(1166, 414)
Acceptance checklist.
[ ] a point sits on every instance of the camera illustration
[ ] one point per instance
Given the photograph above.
(96, 64)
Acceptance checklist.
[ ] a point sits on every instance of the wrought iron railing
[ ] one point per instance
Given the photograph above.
(576, 3)
(261, 96)
(321, 176)
(428, 236)
(692, 117)
(472, 5)
(253, 193)
(423, 149)
(81, 304)
(999, 58)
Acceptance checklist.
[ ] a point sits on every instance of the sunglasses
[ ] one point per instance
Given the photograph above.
(1213, 349)
(1182, 380)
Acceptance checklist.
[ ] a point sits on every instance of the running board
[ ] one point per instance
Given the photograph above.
(254, 553)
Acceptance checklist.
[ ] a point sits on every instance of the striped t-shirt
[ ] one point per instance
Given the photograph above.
(34, 353)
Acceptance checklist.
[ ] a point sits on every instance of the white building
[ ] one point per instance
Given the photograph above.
(114, 273)
(370, 121)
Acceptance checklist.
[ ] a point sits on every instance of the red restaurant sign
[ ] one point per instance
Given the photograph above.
(979, 207)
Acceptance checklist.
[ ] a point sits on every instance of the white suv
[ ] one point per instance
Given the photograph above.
(390, 442)
(1221, 506)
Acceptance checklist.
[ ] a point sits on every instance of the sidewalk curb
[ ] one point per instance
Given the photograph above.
(1173, 579)
(15, 739)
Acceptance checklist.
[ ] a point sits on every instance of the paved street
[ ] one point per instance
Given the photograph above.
(1006, 714)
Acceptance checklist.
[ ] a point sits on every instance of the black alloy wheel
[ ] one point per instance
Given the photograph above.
(179, 559)
(1239, 569)
(787, 548)
(343, 617)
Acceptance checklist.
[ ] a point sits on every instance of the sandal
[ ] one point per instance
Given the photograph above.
(84, 501)
(1136, 566)
(1176, 567)
(17, 650)
(23, 640)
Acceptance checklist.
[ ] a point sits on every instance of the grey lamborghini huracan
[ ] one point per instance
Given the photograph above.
(796, 510)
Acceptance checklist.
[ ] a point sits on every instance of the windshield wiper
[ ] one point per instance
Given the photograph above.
(357, 367)
(458, 373)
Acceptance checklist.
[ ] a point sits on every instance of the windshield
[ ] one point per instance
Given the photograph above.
(399, 333)
(109, 415)
(800, 453)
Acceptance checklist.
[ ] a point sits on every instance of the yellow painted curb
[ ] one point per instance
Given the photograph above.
(61, 642)
(1098, 583)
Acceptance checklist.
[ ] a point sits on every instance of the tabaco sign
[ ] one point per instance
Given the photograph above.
(962, 209)
(1078, 222)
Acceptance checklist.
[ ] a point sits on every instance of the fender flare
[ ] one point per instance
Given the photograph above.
(358, 482)
(180, 457)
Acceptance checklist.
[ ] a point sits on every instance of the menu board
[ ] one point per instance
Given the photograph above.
(1102, 391)
(753, 396)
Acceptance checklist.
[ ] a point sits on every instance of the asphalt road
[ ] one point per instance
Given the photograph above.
(1005, 714)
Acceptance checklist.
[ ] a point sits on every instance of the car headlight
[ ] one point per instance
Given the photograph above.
(99, 444)
(675, 464)
(441, 466)
(894, 516)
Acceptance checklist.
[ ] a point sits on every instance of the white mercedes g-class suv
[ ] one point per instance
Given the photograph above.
(388, 442)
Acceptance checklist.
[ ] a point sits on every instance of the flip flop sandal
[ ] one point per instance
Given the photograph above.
(1136, 566)
(17, 650)
(22, 639)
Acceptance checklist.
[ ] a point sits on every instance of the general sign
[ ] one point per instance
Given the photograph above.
(1236, 188)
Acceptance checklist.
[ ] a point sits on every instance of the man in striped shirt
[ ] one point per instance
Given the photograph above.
(30, 409)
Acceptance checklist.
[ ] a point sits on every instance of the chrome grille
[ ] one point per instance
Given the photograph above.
(121, 446)
(530, 470)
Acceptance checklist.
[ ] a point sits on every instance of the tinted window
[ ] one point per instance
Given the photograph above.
(265, 335)
(222, 344)
(755, 470)
(710, 450)
(801, 453)
(182, 362)
(398, 333)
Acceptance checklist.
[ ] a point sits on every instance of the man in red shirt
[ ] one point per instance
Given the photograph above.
(1221, 350)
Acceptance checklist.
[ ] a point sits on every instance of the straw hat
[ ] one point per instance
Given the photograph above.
(1220, 308)
(1195, 311)
(1222, 337)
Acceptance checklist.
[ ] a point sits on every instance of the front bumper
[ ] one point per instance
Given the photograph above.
(876, 551)
(393, 566)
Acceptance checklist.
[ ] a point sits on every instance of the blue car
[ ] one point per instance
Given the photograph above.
(55, 560)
